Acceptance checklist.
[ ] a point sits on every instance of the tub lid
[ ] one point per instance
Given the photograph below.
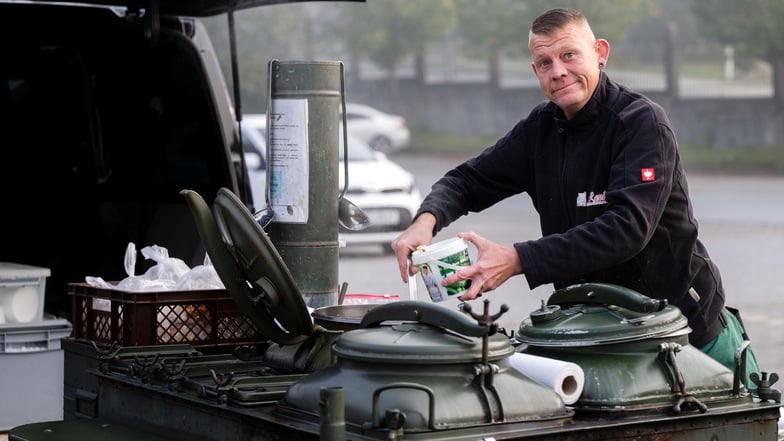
(596, 314)
(250, 267)
(14, 271)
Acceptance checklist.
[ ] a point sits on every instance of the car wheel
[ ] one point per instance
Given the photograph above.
(381, 144)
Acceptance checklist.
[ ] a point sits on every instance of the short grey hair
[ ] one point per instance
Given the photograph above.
(555, 19)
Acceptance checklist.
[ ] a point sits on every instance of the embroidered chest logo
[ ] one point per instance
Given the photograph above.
(647, 175)
(585, 199)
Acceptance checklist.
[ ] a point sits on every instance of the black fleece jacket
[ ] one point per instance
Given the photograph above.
(612, 199)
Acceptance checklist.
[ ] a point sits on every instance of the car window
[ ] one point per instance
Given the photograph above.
(354, 116)
(358, 150)
(254, 147)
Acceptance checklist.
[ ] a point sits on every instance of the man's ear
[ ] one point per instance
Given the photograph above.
(602, 51)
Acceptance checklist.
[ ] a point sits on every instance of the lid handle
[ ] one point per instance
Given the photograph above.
(423, 312)
(606, 294)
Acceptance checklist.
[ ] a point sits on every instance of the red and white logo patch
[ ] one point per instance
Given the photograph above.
(647, 174)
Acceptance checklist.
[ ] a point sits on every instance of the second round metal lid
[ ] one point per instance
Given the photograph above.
(597, 314)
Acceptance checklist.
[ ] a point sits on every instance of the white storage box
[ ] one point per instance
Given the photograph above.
(22, 292)
(32, 371)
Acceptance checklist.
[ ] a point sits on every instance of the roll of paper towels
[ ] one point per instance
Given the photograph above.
(565, 378)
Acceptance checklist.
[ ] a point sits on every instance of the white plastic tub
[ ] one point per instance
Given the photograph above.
(31, 371)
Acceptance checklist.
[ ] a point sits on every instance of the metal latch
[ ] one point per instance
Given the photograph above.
(667, 353)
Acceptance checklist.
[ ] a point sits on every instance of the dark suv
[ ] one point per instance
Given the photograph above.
(106, 113)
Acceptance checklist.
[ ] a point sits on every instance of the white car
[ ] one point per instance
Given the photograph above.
(383, 131)
(380, 187)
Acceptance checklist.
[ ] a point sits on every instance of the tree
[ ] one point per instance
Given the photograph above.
(281, 32)
(388, 31)
(490, 26)
(493, 26)
(752, 27)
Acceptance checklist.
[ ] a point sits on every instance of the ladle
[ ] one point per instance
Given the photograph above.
(349, 214)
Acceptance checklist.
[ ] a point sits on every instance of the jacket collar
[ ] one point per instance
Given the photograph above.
(588, 115)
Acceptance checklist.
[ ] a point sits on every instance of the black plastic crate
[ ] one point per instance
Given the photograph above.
(201, 318)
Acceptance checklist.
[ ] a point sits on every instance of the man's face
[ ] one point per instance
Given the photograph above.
(567, 65)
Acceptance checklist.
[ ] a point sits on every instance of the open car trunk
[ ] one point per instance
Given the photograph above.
(106, 113)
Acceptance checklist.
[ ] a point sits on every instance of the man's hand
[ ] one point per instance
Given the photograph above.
(418, 233)
(493, 265)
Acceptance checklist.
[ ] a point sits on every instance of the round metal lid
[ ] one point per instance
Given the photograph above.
(251, 268)
(422, 333)
(596, 314)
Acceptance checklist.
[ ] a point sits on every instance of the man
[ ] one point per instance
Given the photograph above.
(601, 165)
(433, 284)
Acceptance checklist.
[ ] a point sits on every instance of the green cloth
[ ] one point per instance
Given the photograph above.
(723, 347)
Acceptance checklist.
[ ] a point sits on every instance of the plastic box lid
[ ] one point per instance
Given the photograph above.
(14, 271)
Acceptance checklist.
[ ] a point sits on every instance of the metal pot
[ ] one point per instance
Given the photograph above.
(634, 350)
(433, 369)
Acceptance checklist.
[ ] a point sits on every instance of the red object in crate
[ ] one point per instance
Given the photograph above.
(201, 318)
